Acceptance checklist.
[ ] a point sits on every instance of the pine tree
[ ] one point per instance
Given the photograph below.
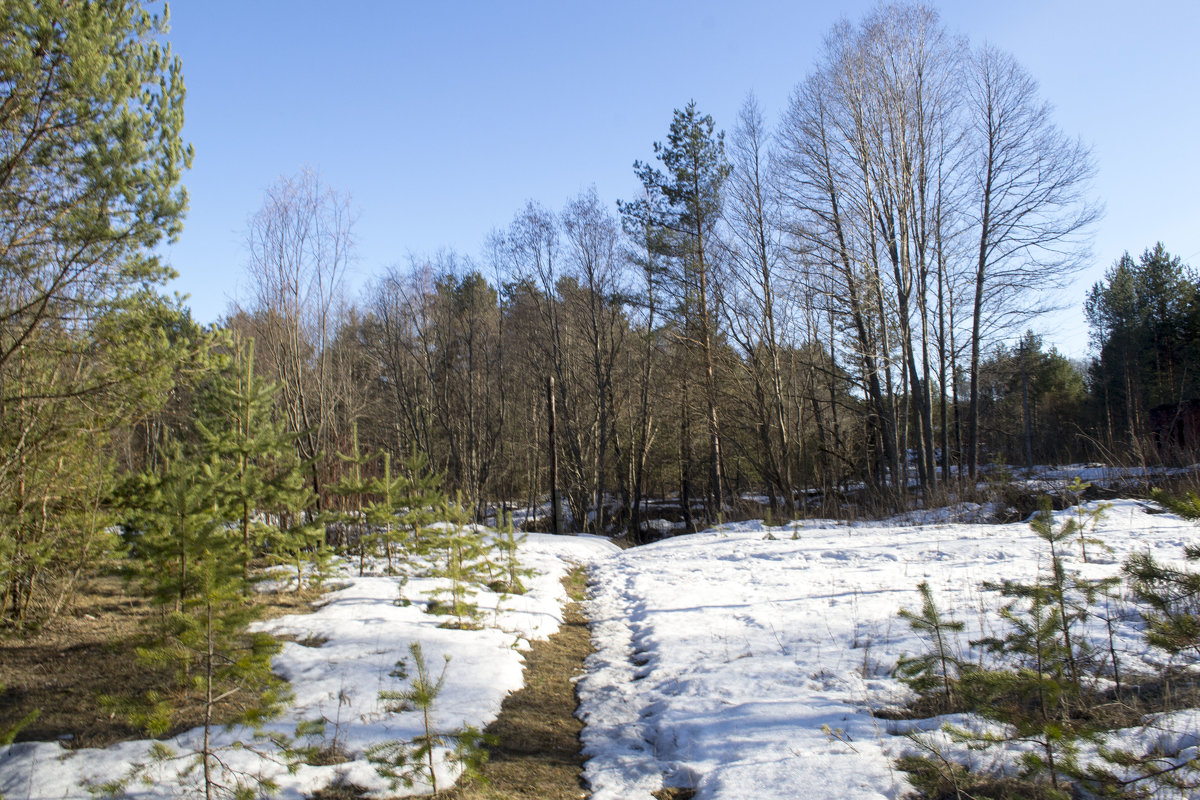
(1038, 688)
(381, 513)
(174, 519)
(92, 154)
(403, 763)
(459, 555)
(684, 202)
(938, 667)
(420, 498)
(189, 561)
(354, 487)
(237, 424)
(507, 571)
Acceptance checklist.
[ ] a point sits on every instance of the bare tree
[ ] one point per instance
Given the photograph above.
(1031, 208)
(757, 311)
(300, 245)
(593, 302)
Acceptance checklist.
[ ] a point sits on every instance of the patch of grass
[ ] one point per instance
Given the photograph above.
(340, 790)
(538, 751)
(674, 793)
(63, 668)
(936, 779)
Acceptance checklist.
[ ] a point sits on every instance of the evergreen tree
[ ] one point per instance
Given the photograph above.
(90, 140)
(684, 202)
(404, 763)
(507, 572)
(381, 514)
(237, 424)
(189, 560)
(1145, 326)
(420, 498)
(1172, 594)
(353, 487)
(459, 555)
(938, 668)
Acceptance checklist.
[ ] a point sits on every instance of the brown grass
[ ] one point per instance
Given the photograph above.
(538, 755)
(63, 668)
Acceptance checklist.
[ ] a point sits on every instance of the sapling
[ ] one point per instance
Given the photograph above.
(381, 512)
(403, 763)
(354, 487)
(1085, 517)
(1173, 597)
(508, 570)
(460, 559)
(190, 564)
(1186, 506)
(940, 665)
(1036, 690)
(322, 749)
(1173, 624)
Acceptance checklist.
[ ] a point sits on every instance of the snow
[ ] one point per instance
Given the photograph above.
(361, 633)
(743, 661)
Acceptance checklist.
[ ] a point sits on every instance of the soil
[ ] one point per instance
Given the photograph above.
(61, 670)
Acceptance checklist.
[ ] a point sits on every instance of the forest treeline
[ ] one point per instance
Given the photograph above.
(837, 304)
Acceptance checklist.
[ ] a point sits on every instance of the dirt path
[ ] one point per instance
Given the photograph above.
(538, 755)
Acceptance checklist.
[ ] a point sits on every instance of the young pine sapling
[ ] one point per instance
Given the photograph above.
(403, 763)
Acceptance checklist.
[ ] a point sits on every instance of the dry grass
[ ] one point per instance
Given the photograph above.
(538, 755)
(63, 668)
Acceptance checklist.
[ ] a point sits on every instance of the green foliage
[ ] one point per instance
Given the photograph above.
(237, 425)
(403, 763)
(1172, 593)
(1037, 687)
(188, 555)
(459, 554)
(175, 522)
(1173, 597)
(353, 487)
(1186, 506)
(1057, 398)
(506, 568)
(937, 669)
(420, 498)
(1086, 518)
(1144, 324)
(92, 154)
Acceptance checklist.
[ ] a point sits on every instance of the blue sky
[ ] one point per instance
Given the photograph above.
(442, 118)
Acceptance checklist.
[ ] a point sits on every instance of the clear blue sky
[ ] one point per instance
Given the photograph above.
(442, 118)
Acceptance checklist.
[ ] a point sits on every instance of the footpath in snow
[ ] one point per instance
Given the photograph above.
(742, 662)
(339, 660)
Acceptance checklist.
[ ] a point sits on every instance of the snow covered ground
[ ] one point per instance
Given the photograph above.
(742, 662)
(340, 660)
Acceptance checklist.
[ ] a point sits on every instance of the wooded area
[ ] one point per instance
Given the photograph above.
(831, 310)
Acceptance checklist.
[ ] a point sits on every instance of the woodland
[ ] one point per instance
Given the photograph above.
(830, 315)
